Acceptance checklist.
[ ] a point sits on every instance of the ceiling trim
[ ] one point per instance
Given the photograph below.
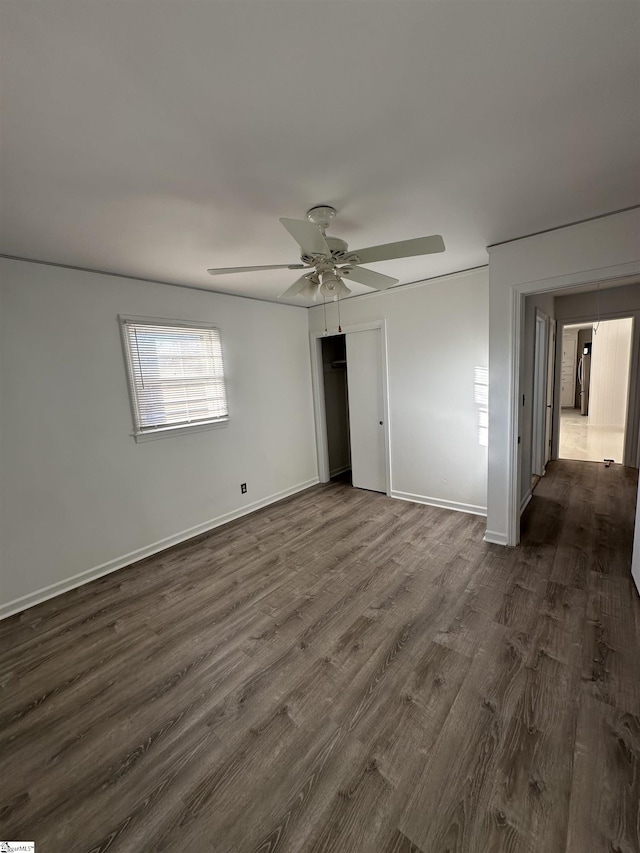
(408, 284)
(560, 227)
(147, 280)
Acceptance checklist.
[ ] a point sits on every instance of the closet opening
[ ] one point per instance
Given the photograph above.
(336, 401)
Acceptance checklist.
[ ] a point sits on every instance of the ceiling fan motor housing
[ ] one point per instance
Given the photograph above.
(339, 251)
(321, 215)
(338, 247)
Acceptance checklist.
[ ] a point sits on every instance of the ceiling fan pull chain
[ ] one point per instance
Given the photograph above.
(324, 307)
(339, 324)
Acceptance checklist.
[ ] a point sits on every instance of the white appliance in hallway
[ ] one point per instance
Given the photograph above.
(569, 350)
(584, 377)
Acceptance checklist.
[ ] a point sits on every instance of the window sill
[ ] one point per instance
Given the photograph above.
(167, 432)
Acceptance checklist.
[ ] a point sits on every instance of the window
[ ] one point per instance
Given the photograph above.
(176, 376)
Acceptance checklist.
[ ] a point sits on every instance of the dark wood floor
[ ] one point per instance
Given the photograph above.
(340, 672)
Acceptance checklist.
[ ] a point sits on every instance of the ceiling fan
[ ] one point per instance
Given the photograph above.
(329, 259)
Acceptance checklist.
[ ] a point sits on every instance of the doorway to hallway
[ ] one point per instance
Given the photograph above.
(595, 390)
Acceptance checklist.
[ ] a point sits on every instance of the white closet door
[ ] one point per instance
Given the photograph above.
(364, 378)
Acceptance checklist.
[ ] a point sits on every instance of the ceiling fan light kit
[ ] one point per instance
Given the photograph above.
(333, 286)
(329, 258)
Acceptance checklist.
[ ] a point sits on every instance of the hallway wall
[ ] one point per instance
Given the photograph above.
(611, 350)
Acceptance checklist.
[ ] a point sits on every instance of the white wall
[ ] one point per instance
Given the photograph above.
(437, 335)
(610, 353)
(592, 251)
(77, 491)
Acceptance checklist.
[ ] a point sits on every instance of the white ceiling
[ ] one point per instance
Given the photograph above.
(156, 139)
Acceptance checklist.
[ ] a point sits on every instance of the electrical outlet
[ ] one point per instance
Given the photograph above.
(243, 488)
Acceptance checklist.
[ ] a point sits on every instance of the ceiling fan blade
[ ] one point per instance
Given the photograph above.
(227, 270)
(308, 236)
(368, 277)
(403, 249)
(299, 287)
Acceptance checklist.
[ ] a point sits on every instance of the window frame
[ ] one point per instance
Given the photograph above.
(151, 433)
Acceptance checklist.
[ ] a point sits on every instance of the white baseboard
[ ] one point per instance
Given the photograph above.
(524, 503)
(40, 595)
(495, 538)
(440, 502)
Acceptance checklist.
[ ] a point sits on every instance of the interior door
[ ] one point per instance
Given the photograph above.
(366, 426)
(540, 355)
(551, 369)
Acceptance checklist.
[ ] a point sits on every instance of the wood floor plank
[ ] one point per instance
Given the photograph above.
(448, 806)
(399, 843)
(357, 814)
(533, 767)
(415, 717)
(605, 797)
(299, 796)
(340, 672)
(611, 664)
(559, 625)
(119, 751)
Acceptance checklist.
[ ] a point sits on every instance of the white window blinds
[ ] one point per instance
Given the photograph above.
(176, 374)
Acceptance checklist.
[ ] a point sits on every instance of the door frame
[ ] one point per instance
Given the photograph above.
(621, 274)
(320, 415)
